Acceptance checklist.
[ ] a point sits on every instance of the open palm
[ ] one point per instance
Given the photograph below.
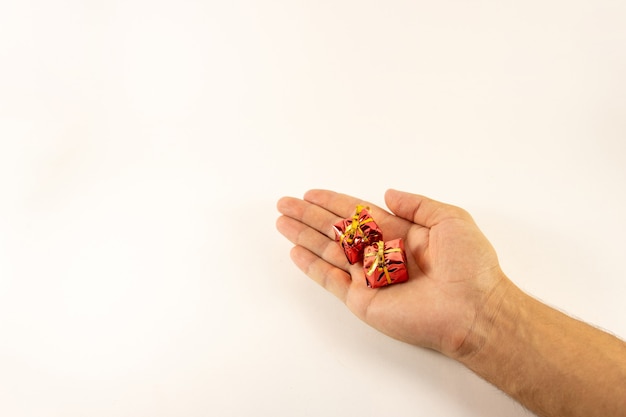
(452, 267)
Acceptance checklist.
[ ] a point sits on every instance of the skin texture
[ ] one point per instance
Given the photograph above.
(459, 302)
(453, 268)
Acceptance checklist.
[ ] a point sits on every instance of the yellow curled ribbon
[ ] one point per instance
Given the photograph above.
(380, 260)
(349, 234)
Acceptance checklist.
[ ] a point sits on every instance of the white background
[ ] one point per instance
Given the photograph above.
(143, 145)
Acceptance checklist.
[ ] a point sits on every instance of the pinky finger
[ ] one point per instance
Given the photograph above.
(333, 279)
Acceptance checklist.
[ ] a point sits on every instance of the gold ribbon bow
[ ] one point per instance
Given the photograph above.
(380, 260)
(350, 233)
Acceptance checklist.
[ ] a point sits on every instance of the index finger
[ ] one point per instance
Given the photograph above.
(343, 206)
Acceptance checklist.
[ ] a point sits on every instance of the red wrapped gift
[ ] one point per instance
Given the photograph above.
(357, 232)
(384, 263)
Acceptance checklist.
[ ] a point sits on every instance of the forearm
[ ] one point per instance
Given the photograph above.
(551, 363)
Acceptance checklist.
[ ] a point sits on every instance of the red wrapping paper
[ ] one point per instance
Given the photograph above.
(384, 263)
(357, 232)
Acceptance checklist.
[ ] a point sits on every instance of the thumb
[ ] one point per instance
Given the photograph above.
(420, 209)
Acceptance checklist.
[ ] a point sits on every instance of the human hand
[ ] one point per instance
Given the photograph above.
(453, 269)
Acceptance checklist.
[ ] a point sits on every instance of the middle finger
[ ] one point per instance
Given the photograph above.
(310, 214)
(302, 235)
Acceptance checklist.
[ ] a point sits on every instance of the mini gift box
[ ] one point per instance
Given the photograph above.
(384, 263)
(357, 232)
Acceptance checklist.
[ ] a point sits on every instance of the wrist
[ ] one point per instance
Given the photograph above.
(497, 309)
(551, 363)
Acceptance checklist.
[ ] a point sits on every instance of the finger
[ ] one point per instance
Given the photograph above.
(341, 205)
(311, 215)
(328, 276)
(344, 205)
(312, 240)
(421, 210)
